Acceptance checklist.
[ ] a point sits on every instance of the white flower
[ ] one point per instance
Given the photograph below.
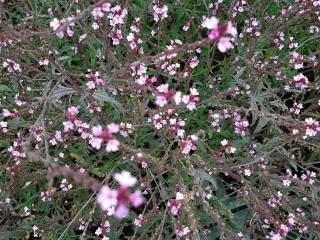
(125, 179)
(247, 172)
(286, 182)
(179, 196)
(107, 198)
(210, 23)
(55, 24)
(98, 232)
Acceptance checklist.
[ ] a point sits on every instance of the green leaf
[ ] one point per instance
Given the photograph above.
(4, 88)
(241, 218)
(261, 124)
(204, 176)
(61, 91)
(78, 157)
(104, 97)
(97, 172)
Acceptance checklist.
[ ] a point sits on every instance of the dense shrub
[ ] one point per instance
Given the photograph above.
(187, 119)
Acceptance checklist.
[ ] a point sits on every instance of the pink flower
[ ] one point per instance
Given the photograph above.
(218, 31)
(70, 32)
(43, 61)
(106, 7)
(296, 108)
(68, 125)
(210, 23)
(107, 198)
(96, 142)
(140, 220)
(105, 136)
(192, 99)
(91, 85)
(93, 79)
(97, 130)
(301, 81)
(275, 200)
(125, 129)
(136, 198)
(120, 199)
(161, 101)
(160, 12)
(72, 117)
(113, 128)
(284, 229)
(176, 127)
(11, 66)
(312, 127)
(158, 121)
(60, 34)
(194, 62)
(65, 186)
(73, 111)
(112, 145)
(182, 231)
(4, 126)
(6, 113)
(176, 204)
(117, 15)
(188, 144)
(164, 95)
(97, 13)
(116, 36)
(124, 198)
(224, 44)
(309, 176)
(241, 127)
(122, 211)
(221, 30)
(55, 24)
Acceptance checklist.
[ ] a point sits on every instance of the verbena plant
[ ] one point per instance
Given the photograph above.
(187, 119)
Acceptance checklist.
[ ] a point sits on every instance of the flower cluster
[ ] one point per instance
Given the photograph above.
(134, 37)
(97, 89)
(72, 119)
(11, 66)
(101, 136)
(98, 12)
(188, 144)
(119, 199)
(312, 127)
(94, 79)
(176, 204)
(62, 26)
(116, 17)
(160, 12)
(218, 31)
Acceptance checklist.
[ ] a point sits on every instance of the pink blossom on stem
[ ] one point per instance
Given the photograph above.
(117, 15)
(164, 95)
(176, 204)
(218, 32)
(192, 99)
(160, 12)
(72, 119)
(188, 144)
(301, 81)
(312, 128)
(241, 127)
(121, 198)
(101, 136)
(11, 66)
